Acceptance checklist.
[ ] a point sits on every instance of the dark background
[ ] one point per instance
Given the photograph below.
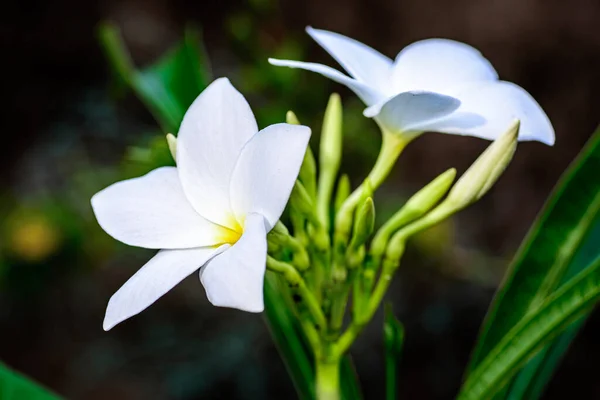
(66, 131)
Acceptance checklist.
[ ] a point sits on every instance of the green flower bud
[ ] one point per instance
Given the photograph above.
(486, 170)
(331, 135)
(291, 118)
(330, 155)
(301, 203)
(420, 203)
(364, 223)
(342, 192)
(172, 142)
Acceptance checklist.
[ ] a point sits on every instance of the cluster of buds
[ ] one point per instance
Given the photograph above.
(333, 250)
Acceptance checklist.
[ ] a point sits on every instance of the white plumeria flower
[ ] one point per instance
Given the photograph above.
(213, 210)
(432, 85)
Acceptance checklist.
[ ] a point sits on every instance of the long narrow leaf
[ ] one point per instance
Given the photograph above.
(563, 307)
(546, 253)
(14, 386)
(288, 339)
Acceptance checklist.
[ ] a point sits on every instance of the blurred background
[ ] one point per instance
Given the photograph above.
(70, 130)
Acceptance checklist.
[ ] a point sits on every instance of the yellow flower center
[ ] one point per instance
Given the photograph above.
(230, 233)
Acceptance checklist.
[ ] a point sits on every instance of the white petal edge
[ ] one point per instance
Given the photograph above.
(266, 171)
(153, 212)
(214, 130)
(434, 64)
(409, 111)
(235, 278)
(362, 62)
(488, 109)
(165, 270)
(368, 94)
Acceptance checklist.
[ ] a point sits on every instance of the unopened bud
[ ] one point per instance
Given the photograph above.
(486, 170)
(331, 135)
(291, 118)
(364, 223)
(342, 192)
(419, 204)
(172, 142)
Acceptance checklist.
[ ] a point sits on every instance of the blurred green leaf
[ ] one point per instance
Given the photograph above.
(288, 338)
(530, 382)
(545, 257)
(167, 87)
(393, 336)
(537, 328)
(14, 386)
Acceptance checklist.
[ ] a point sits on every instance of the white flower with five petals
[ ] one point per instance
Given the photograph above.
(212, 212)
(433, 85)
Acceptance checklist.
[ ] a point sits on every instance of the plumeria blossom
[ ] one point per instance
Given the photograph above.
(432, 85)
(212, 212)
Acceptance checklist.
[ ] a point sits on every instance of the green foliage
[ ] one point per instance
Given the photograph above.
(167, 87)
(393, 338)
(560, 309)
(559, 246)
(14, 386)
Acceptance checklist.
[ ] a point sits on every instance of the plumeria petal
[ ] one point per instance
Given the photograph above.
(213, 131)
(153, 212)
(165, 270)
(488, 108)
(265, 173)
(235, 278)
(365, 64)
(434, 64)
(409, 111)
(367, 94)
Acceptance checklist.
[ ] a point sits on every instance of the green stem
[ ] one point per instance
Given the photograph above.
(391, 147)
(328, 379)
(298, 287)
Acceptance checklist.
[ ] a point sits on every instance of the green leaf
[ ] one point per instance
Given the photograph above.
(14, 386)
(560, 309)
(288, 338)
(349, 380)
(546, 254)
(393, 337)
(167, 87)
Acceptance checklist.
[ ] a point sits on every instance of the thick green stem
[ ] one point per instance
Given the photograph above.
(328, 379)
(391, 146)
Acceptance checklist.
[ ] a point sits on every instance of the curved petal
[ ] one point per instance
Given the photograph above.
(409, 111)
(165, 270)
(152, 211)
(235, 278)
(213, 131)
(488, 109)
(434, 64)
(266, 171)
(368, 94)
(365, 64)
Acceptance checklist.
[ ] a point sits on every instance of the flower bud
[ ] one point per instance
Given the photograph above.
(331, 135)
(342, 192)
(291, 118)
(486, 170)
(301, 203)
(364, 223)
(172, 142)
(420, 203)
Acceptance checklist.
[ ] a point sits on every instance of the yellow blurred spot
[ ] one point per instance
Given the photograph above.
(33, 238)
(232, 233)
